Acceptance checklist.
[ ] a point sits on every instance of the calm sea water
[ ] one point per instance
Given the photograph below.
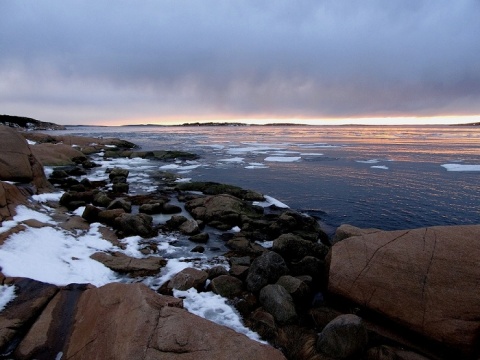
(393, 177)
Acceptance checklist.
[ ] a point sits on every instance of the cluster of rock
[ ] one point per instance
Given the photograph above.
(21, 122)
(371, 295)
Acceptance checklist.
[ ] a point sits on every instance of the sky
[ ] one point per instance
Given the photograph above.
(174, 61)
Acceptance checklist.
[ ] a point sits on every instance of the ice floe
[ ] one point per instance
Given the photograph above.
(233, 160)
(282, 158)
(255, 165)
(383, 167)
(461, 167)
(371, 161)
(269, 201)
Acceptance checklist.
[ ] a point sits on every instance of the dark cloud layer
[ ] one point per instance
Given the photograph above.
(78, 60)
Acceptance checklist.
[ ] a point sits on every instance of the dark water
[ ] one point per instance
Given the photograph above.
(382, 177)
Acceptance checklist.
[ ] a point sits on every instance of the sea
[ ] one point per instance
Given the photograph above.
(385, 177)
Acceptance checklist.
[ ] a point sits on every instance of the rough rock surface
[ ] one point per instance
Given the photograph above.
(10, 198)
(189, 278)
(425, 279)
(130, 321)
(278, 302)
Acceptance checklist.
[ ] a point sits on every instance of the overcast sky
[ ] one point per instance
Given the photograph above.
(113, 62)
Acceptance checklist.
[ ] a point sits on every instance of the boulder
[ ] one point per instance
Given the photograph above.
(227, 286)
(295, 287)
(120, 204)
(343, 337)
(278, 302)
(221, 211)
(424, 279)
(125, 264)
(17, 162)
(188, 278)
(189, 227)
(130, 321)
(201, 238)
(265, 269)
(294, 248)
(138, 224)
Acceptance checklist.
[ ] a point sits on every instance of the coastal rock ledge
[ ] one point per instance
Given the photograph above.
(426, 280)
(115, 321)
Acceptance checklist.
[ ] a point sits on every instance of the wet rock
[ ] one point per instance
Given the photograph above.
(212, 188)
(239, 271)
(227, 286)
(295, 287)
(101, 199)
(129, 265)
(108, 217)
(171, 209)
(244, 246)
(294, 248)
(118, 173)
(201, 238)
(189, 278)
(175, 221)
(310, 266)
(120, 188)
(189, 227)
(139, 224)
(198, 249)
(278, 302)
(264, 324)
(221, 211)
(266, 269)
(152, 208)
(91, 213)
(342, 338)
(216, 270)
(120, 204)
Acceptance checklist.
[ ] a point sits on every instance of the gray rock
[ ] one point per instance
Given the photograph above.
(120, 204)
(343, 337)
(295, 287)
(139, 224)
(189, 227)
(278, 302)
(201, 238)
(266, 269)
(294, 248)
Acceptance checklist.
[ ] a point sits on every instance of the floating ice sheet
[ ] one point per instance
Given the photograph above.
(461, 167)
(283, 158)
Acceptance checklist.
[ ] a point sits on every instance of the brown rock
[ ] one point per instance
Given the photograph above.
(188, 278)
(17, 163)
(10, 197)
(30, 298)
(55, 154)
(425, 279)
(133, 266)
(130, 321)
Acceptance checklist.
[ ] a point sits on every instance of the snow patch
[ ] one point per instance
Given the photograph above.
(214, 307)
(283, 158)
(7, 294)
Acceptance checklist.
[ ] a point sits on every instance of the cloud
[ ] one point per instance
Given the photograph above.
(251, 58)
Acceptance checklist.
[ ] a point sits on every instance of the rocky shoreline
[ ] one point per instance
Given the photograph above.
(365, 294)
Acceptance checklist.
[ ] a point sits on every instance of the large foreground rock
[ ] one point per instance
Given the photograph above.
(425, 279)
(130, 321)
